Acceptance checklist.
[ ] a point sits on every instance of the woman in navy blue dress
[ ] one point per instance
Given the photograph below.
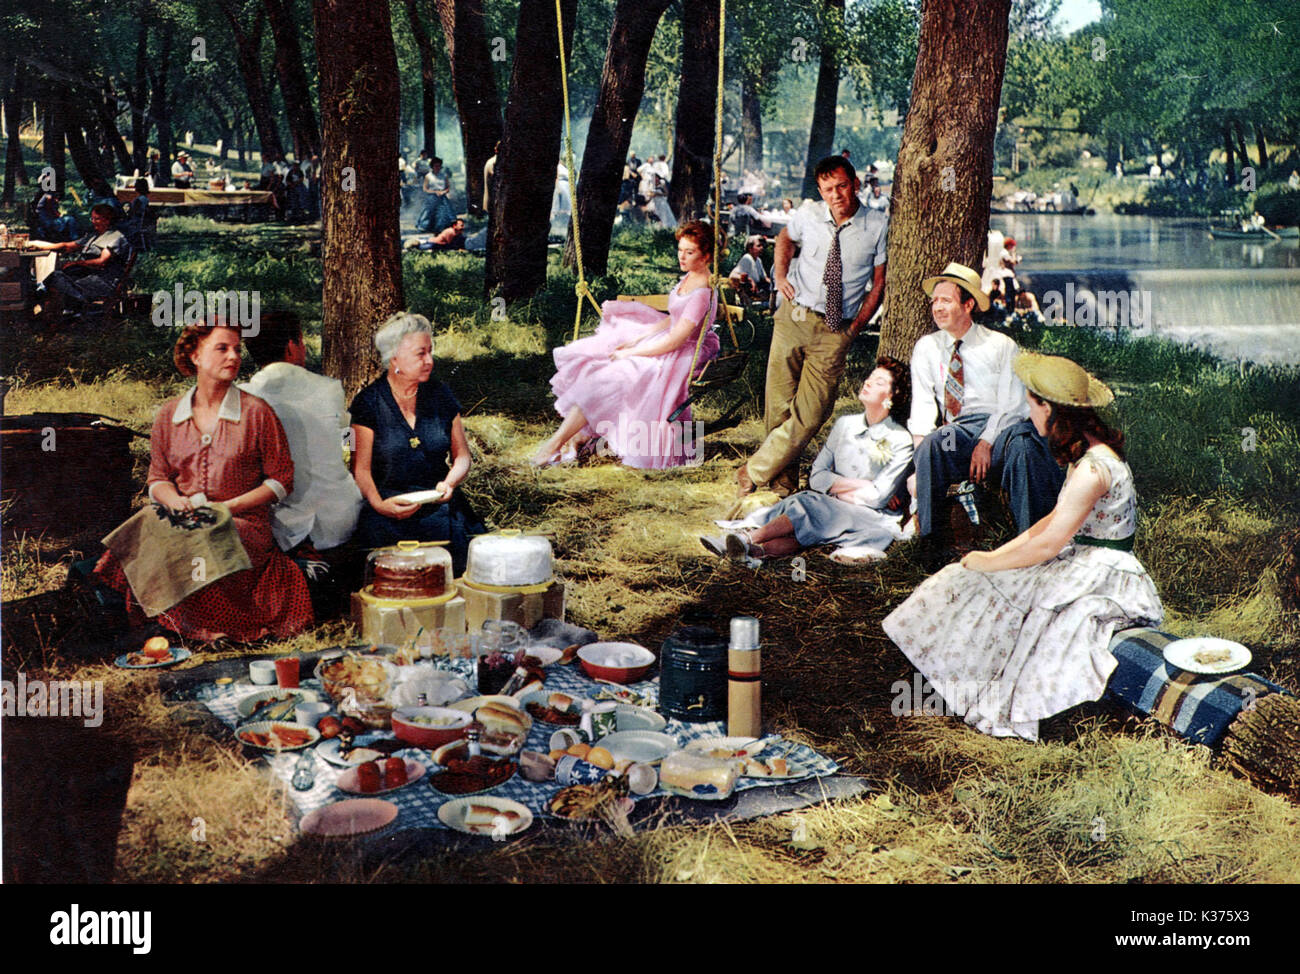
(406, 426)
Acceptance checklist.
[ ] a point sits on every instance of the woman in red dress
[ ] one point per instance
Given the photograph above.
(217, 443)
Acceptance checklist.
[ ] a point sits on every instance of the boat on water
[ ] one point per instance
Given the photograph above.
(1021, 211)
(1255, 233)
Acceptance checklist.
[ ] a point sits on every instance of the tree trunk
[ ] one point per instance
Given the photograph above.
(294, 85)
(525, 169)
(106, 108)
(1260, 146)
(1241, 143)
(140, 102)
(86, 161)
(248, 53)
(15, 171)
(751, 125)
(1264, 745)
(474, 85)
(359, 95)
(1230, 169)
(160, 108)
(428, 88)
(944, 175)
(622, 84)
(54, 139)
(697, 97)
(821, 137)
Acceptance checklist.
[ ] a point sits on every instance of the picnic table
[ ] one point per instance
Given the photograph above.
(171, 196)
(418, 803)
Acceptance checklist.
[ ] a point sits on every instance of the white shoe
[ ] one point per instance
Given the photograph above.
(714, 544)
(740, 548)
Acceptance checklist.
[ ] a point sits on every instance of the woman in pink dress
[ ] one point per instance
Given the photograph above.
(624, 381)
(216, 443)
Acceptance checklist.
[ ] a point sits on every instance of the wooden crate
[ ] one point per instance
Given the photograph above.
(527, 610)
(380, 621)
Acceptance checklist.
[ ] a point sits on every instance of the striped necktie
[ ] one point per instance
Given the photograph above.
(833, 278)
(954, 388)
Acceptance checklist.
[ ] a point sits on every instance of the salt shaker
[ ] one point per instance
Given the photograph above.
(304, 775)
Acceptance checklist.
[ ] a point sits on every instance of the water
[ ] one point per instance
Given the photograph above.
(1165, 276)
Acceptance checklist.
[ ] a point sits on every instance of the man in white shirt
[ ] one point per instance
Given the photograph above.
(326, 501)
(749, 276)
(830, 295)
(969, 413)
(182, 172)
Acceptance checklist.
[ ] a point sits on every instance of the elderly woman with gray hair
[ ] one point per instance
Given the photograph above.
(405, 428)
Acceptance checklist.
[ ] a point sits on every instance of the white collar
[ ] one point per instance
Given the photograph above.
(229, 406)
(974, 336)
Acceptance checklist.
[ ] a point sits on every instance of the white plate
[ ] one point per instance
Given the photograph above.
(546, 655)
(329, 751)
(632, 718)
(452, 814)
(419, 497)
(248, 704)
(264, 727)
(440, 687)
(179, 655)
(1183, 654)
(642, 747)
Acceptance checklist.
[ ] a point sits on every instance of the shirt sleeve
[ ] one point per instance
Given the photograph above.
(823, 469)
(277, 463)
(363, 412)
(885, 483)
(924, 411)
(794, 229)
(160, 466)
(1011, 395)
(880, 244)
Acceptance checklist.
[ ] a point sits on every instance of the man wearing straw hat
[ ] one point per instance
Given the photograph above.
(969, 415)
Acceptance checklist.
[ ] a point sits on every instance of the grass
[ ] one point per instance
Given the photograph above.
(950, 805)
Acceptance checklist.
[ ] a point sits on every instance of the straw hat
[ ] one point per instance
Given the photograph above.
(964, 278)
(1059, 380)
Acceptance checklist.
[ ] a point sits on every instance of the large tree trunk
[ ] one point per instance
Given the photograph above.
(86, 160)
(622, 84)
(294, 84)
(428, 89)
(360, 96)
(821, 137)
(1241, 143)
(474, 85)
(944, 175)
(697, 97)
(54, 151)
(160, 108)
(525, 169)
(15, 172)
(248, 48)
(106, 108)
(1260, 146)
(140, 102)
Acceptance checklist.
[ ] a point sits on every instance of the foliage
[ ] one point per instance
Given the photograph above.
(1278, 203)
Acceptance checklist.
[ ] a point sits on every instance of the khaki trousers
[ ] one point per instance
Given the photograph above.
(804, 367)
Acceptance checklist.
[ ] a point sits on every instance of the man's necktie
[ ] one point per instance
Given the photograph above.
(954, 388)
(833, 278)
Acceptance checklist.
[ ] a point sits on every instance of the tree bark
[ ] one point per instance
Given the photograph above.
(697, 97)
(140, 101)
(1260, 146)
(86, 161)
(107, 111)
(821, 137)
(525, 169)
(360, 96)
(15, 171)
(295, 87)
(1264, 745)
(622, 84)
(944, 175)
(1241, 143)
(1228, 151)
(428, 88)
(160, 109)
(474, 86)
(248, 54)
(54, 139)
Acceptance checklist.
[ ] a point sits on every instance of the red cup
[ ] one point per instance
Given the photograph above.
(286, 672)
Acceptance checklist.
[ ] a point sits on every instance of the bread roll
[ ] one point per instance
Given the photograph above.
(499, 719)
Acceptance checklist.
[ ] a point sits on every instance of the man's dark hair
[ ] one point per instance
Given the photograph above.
(830, 164)
(276, 329)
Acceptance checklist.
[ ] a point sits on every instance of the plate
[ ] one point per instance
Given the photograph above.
(433, 782)
(631, 718)
(1199, 655)
(264, 727)
(639, 746)
(329, 751)
(419, 497)
(248, 704)
(440, 688)
(179, 655)
(452, 814)
(705, 745)
(353, 816)
(347, 781)
(540, 697)
(545, 655)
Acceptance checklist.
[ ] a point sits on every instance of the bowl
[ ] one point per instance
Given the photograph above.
(616, 662)
(354, 681)
(407, 728)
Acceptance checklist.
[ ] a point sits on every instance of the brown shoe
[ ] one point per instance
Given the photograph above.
(742, 478)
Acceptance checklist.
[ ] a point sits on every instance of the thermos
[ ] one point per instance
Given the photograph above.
(693, 675)
(744, 679)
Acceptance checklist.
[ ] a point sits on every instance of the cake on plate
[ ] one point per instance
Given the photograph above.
(509, 560)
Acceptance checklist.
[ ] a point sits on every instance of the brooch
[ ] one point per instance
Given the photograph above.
(880, 452)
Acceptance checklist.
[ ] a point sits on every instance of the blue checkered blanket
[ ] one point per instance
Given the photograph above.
(1197, 707)
(418, 803)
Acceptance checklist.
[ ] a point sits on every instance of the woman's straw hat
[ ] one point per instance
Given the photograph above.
(1059, 380)
(964, 278)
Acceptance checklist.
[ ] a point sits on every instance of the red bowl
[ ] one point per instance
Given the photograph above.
(616, 662)
(422, 735)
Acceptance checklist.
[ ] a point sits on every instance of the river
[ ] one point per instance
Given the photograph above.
(1164, 276)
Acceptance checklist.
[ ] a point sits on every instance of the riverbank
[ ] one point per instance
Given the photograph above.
(950, 805)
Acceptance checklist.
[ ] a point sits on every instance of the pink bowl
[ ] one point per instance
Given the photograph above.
(616, 662)
(422, 735)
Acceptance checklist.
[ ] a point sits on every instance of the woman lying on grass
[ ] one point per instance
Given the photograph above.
(853, 478)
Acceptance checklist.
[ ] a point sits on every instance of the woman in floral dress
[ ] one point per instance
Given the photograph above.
(1012, 636)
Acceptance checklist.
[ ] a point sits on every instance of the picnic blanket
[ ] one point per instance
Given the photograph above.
(1197, 707)
(418, 803)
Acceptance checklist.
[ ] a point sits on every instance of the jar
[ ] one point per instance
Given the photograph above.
(693, 675)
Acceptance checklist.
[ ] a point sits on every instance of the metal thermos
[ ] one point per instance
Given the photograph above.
(744, 679)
